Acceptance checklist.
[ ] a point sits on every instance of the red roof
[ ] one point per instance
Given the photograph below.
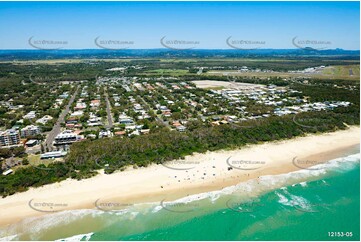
(119, 133)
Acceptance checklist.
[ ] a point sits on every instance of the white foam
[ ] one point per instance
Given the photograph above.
(157, 209)
(134, 215)
(271, 182)
(300, 201)
(78, 237)
(120, 212)
(36, 225)
(282, 199)
(254, 187)
(8, 238)
(294, 201)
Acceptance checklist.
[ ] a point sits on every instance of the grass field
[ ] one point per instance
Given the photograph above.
(35, 160)
(332, 72)
(177, 66)
(173, 72)
(343, 71)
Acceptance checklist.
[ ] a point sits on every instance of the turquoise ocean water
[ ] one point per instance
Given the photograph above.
(310, 204)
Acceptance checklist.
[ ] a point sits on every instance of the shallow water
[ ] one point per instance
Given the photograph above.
(302, 205)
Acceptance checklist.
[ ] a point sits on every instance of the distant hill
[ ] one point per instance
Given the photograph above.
(167, 53)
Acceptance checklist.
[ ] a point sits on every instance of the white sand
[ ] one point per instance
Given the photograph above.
(157, 182)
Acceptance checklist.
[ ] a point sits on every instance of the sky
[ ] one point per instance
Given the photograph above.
(204, 25)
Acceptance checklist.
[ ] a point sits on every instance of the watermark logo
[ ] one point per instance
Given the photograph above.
(178, 44)
(307, 164)
(180, 165)
(243, 206)
(302, 82)
(243, 44)
(31, 78)
(111, 206)
(113, 44)
(244, 164)
(314, 45)
(43, 167)
(43, 78)
(47, 207)
(105, 164)
(179, 207)
(177, 164)
(43, 44)
(307, 119)
(243, 124)
(299, 121)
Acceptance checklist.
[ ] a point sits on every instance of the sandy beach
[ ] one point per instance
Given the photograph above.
(195, 174)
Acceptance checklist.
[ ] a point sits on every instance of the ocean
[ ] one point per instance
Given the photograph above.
(319, 203)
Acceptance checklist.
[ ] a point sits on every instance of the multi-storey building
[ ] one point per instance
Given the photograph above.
(66, 137)
(9, 137)
(30, 130)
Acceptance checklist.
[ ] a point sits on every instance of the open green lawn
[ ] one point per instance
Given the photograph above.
(343, 71)
(174, 72)
(35, 160)
(332, 72)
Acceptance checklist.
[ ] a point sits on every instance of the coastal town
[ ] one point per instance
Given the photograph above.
(125, 107)
(180, 121)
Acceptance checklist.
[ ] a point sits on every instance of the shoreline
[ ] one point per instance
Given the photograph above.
(208, 172)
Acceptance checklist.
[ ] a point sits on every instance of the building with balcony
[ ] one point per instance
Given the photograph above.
(30, 130)
(9, 137)
(67, 137)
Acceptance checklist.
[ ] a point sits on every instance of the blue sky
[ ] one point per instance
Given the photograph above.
(209, 23)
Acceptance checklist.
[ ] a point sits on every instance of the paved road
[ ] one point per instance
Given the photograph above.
(156, 115)
(57, 127)
(110, 118)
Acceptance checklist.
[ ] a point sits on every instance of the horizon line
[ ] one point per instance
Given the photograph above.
(179, 49)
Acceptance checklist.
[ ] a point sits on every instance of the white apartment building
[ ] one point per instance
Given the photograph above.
(9, 137)
(30, 130)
